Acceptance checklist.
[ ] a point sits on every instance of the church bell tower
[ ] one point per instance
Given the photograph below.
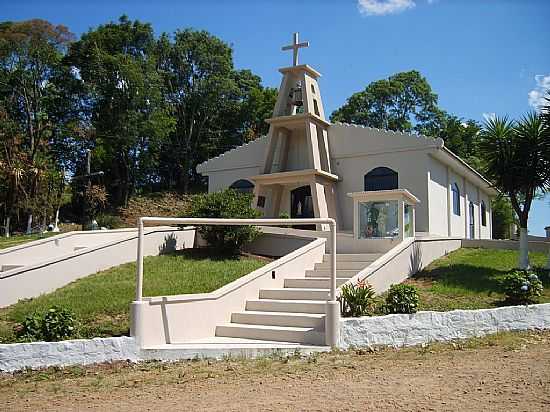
(296, 176)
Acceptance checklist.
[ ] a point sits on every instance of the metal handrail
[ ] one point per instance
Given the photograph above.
(332, 310)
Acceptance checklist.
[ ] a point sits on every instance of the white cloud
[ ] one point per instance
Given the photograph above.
(536, 97)
(383, 7)
(489, 116)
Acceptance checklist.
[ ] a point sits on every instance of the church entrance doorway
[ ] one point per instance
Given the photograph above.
(301, 205)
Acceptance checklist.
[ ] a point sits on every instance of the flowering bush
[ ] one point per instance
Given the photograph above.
(357, 300)
(522, 287)
(56, 324)
(402, 299)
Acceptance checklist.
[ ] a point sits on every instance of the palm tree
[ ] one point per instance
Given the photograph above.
(517, 156)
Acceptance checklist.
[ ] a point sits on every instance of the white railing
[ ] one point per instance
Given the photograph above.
(332, 307)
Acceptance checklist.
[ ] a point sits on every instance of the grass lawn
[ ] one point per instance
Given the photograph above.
(101, 301)
(15, 240)
(469, 279)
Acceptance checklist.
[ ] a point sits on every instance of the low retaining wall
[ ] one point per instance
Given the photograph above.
(34, 355)
(425, 327)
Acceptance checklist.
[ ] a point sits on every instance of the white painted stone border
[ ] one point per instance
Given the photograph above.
(425, 327)
(37, 355)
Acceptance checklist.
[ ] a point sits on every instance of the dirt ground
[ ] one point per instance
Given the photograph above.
(505, 372)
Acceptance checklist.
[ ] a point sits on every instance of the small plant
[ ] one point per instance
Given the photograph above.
(109, 221)
(357, 300)
(402, 298)
(522, 287)
(54, 325)
(225, 204)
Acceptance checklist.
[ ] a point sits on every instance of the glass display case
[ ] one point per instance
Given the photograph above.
(384, 214)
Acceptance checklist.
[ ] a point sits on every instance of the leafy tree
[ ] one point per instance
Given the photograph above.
(517, 160)
(403, 102)
(30, 63)
(117, 64)
(215, 106)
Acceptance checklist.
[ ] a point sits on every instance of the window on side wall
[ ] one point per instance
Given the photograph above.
(456, 199)
(483, 214)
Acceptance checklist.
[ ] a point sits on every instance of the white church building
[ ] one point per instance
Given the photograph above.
(376, 184)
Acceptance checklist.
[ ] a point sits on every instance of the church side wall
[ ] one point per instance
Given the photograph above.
(458, 224)
(412, 169)
(438, 217)
(219, 180)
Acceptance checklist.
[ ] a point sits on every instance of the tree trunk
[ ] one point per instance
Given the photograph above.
(29, 224)
(523, 249)
(7, 227)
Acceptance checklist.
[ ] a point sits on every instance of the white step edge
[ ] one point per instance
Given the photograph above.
(294, 293)
(286, 306)
(271, 333)
(306, 320)
(313, 282)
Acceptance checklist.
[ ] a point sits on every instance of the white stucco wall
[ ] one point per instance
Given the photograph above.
(438, 218)
(425, 327)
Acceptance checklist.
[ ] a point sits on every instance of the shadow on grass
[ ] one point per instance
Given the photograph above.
(469, 277)
(204, 254)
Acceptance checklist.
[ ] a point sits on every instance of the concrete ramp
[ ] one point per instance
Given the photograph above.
(38, 267)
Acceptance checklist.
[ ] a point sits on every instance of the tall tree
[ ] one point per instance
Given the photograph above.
(30, 62)
(117, 64)
(404, 102)
(213, 103)
(517, 160)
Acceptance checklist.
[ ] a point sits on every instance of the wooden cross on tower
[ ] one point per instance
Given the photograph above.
(295, 47)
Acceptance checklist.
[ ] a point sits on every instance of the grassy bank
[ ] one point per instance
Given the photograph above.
(101, 301)
(469, 279)
(15, 240)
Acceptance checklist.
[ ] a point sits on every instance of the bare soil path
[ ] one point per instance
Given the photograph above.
(505, 372)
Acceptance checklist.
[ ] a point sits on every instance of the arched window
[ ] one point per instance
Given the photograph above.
(456, 199)
(242, 185)
(381, 178)
(483, 214)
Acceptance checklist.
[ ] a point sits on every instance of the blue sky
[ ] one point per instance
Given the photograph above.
(480, 56)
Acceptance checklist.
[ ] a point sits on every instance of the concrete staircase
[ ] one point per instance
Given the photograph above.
(296, 312)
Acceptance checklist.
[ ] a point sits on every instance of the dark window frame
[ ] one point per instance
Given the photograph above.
(242, 185)
(381, 178)
(483, 214)
(456, 198)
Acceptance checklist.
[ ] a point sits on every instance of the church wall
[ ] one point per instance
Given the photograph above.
(219, 180)
(486, 231)
(438, 218)
(458, 222)
(412, 172)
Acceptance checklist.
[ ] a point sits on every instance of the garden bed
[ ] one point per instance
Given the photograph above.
(101, 302)
(470, 279)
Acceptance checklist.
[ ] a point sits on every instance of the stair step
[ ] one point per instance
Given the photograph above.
(304, 320)
(324, 273)
(344, 265)
(294, 293)
(272, 333)
(354, 257)
(314, 283)
(285, 306)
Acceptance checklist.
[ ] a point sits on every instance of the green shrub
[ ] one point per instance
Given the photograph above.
(226, 204)
(357, 300)
(109, 221)
(522, 287)
(54, 325)
(401, 298)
